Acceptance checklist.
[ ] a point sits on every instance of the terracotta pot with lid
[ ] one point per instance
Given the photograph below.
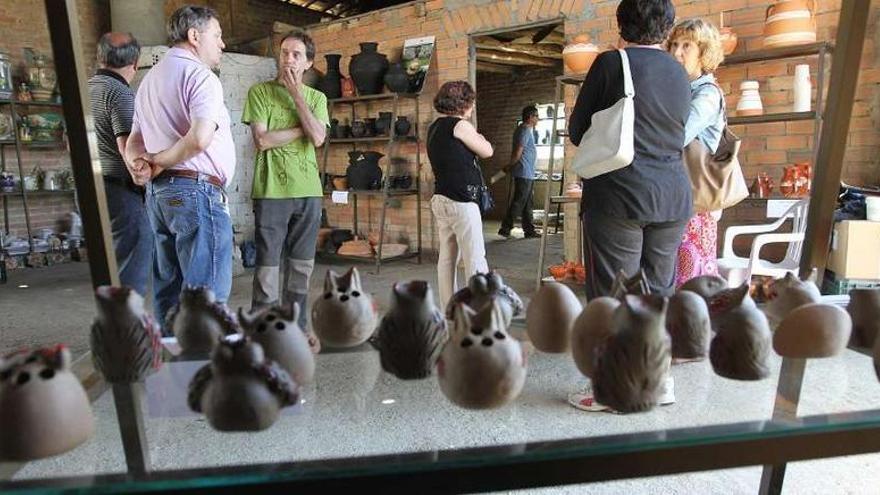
(580, 54)
(790, 22)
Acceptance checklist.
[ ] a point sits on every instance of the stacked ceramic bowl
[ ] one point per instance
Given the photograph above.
(750, 100)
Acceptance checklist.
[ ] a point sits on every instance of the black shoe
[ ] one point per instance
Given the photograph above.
(504, 233)
(531, 235)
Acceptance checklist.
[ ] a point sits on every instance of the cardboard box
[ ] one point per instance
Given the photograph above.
(855, 250)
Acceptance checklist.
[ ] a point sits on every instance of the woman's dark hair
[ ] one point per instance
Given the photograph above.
(454, 97)
(645, 22)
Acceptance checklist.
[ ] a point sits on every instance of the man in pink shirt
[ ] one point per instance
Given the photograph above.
(181, 147)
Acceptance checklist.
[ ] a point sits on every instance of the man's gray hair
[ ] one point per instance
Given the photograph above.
(186, 18)
(118, 50)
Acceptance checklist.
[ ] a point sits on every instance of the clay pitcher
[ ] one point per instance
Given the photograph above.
(589, 332)
(275, 328)
(741, 347)
(412, 334)
(631, 367)
(481, 366)
(864, 309)
(550, 317)
(344, 315)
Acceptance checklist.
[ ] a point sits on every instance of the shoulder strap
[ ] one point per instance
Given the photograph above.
(628, 89)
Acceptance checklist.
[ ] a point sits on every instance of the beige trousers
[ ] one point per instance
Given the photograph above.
(460, 232)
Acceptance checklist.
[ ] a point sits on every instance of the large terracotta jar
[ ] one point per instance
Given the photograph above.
(368, 68)
(791, 22)
(331, 85)
(579, 55)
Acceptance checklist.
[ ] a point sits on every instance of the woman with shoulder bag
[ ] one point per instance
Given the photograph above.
(453, 147)
(634, 216)
(696, 44)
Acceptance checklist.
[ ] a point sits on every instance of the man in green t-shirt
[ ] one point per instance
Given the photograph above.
(288, 121)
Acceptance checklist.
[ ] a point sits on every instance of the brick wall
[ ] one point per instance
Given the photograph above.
(23, 24)
(249, 19)
(769, 147)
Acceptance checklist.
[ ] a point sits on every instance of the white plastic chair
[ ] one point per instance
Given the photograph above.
(737, 269)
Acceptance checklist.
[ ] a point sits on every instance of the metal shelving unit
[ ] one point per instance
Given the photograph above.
(386, 193)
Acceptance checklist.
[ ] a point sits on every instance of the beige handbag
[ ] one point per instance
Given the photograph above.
(716, 179)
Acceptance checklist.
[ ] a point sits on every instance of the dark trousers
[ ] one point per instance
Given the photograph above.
(132, 233)
(612, 244)
(521, 204)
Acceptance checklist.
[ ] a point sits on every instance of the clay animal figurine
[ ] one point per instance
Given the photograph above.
(632, 365)
(813, 330)
(482, 287)
(412, 334)
(589, 332)
(344, 315)
(788, 293)
(687, 321)
(239, 390)
(864, 309)
(198, 321)
(275, 328)
(44, 410)
(550, 317)
(741, 347)
(705, 286)
(125, 341)
(482, 366)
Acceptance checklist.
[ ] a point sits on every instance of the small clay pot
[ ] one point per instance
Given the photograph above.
(370, 126)
(402, 126)
(383, 123)
(550, 316)
(813, 330)
(358, 129)
(340, 183)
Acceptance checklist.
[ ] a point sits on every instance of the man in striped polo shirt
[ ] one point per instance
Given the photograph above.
(112, 107)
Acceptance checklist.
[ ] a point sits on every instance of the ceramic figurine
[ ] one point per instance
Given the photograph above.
(124, 339)
(482, 288)
(412, 334)
(589, 332)
(864, 309)
(44, 410)
(741, 347)
(275, 328)
(705, 286)
(239, 390)
(481, 366)
(550, 317)
(789, 293)
(687, 321)
(813, 330)
(344, 315)
(632, 365)
(198, 321)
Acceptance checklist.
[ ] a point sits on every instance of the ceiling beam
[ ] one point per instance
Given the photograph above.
(513, 58)
(483, 66)
(536, 51)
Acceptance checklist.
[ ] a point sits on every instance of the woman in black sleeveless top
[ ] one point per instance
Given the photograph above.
(453, 146)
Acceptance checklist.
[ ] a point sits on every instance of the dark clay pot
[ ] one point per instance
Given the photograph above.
(334, 128)
(402, 126)
(367, 68)
(383, 123)
(343, 131)
(331, 84)
(363, 172)
(370, 124)
(396, 79)
(358, 129)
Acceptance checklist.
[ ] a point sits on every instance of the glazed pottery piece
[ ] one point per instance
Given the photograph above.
(344, 315)
(348, 89)
(396, 79)
(864, 309)
(44, 410)
(788, 293)
(275, 328)
(125, 341)
(481, 366)
(358, 128)
(790, 22)
(363, 171)
(687, 321)
(804, 180)
(340, 183)
(750, 101)
(762, 187)
(402, 126)
(412, 334)
(741, 347)
(198, 321)
(579, 55)
(368, 68)
(705, 286)
(331, 85)
(813, 330)
(589, 332)
(481, 289)
(370, 126)
(240, 390)
(632, 365)
(788, 183)
(550, 317)
(384, 123)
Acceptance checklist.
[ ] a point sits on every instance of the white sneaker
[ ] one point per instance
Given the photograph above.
(667, 392)
(584, 400)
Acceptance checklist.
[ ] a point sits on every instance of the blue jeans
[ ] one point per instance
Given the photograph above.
(193, 240)
(132, 234)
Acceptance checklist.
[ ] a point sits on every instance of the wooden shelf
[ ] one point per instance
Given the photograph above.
(382, 96)
(38, 192)
(378, 192)
(559, 200)
(778, 53)
(373, 139)
(772, 117)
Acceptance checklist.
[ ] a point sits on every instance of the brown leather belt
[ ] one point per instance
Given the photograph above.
(192, 174)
